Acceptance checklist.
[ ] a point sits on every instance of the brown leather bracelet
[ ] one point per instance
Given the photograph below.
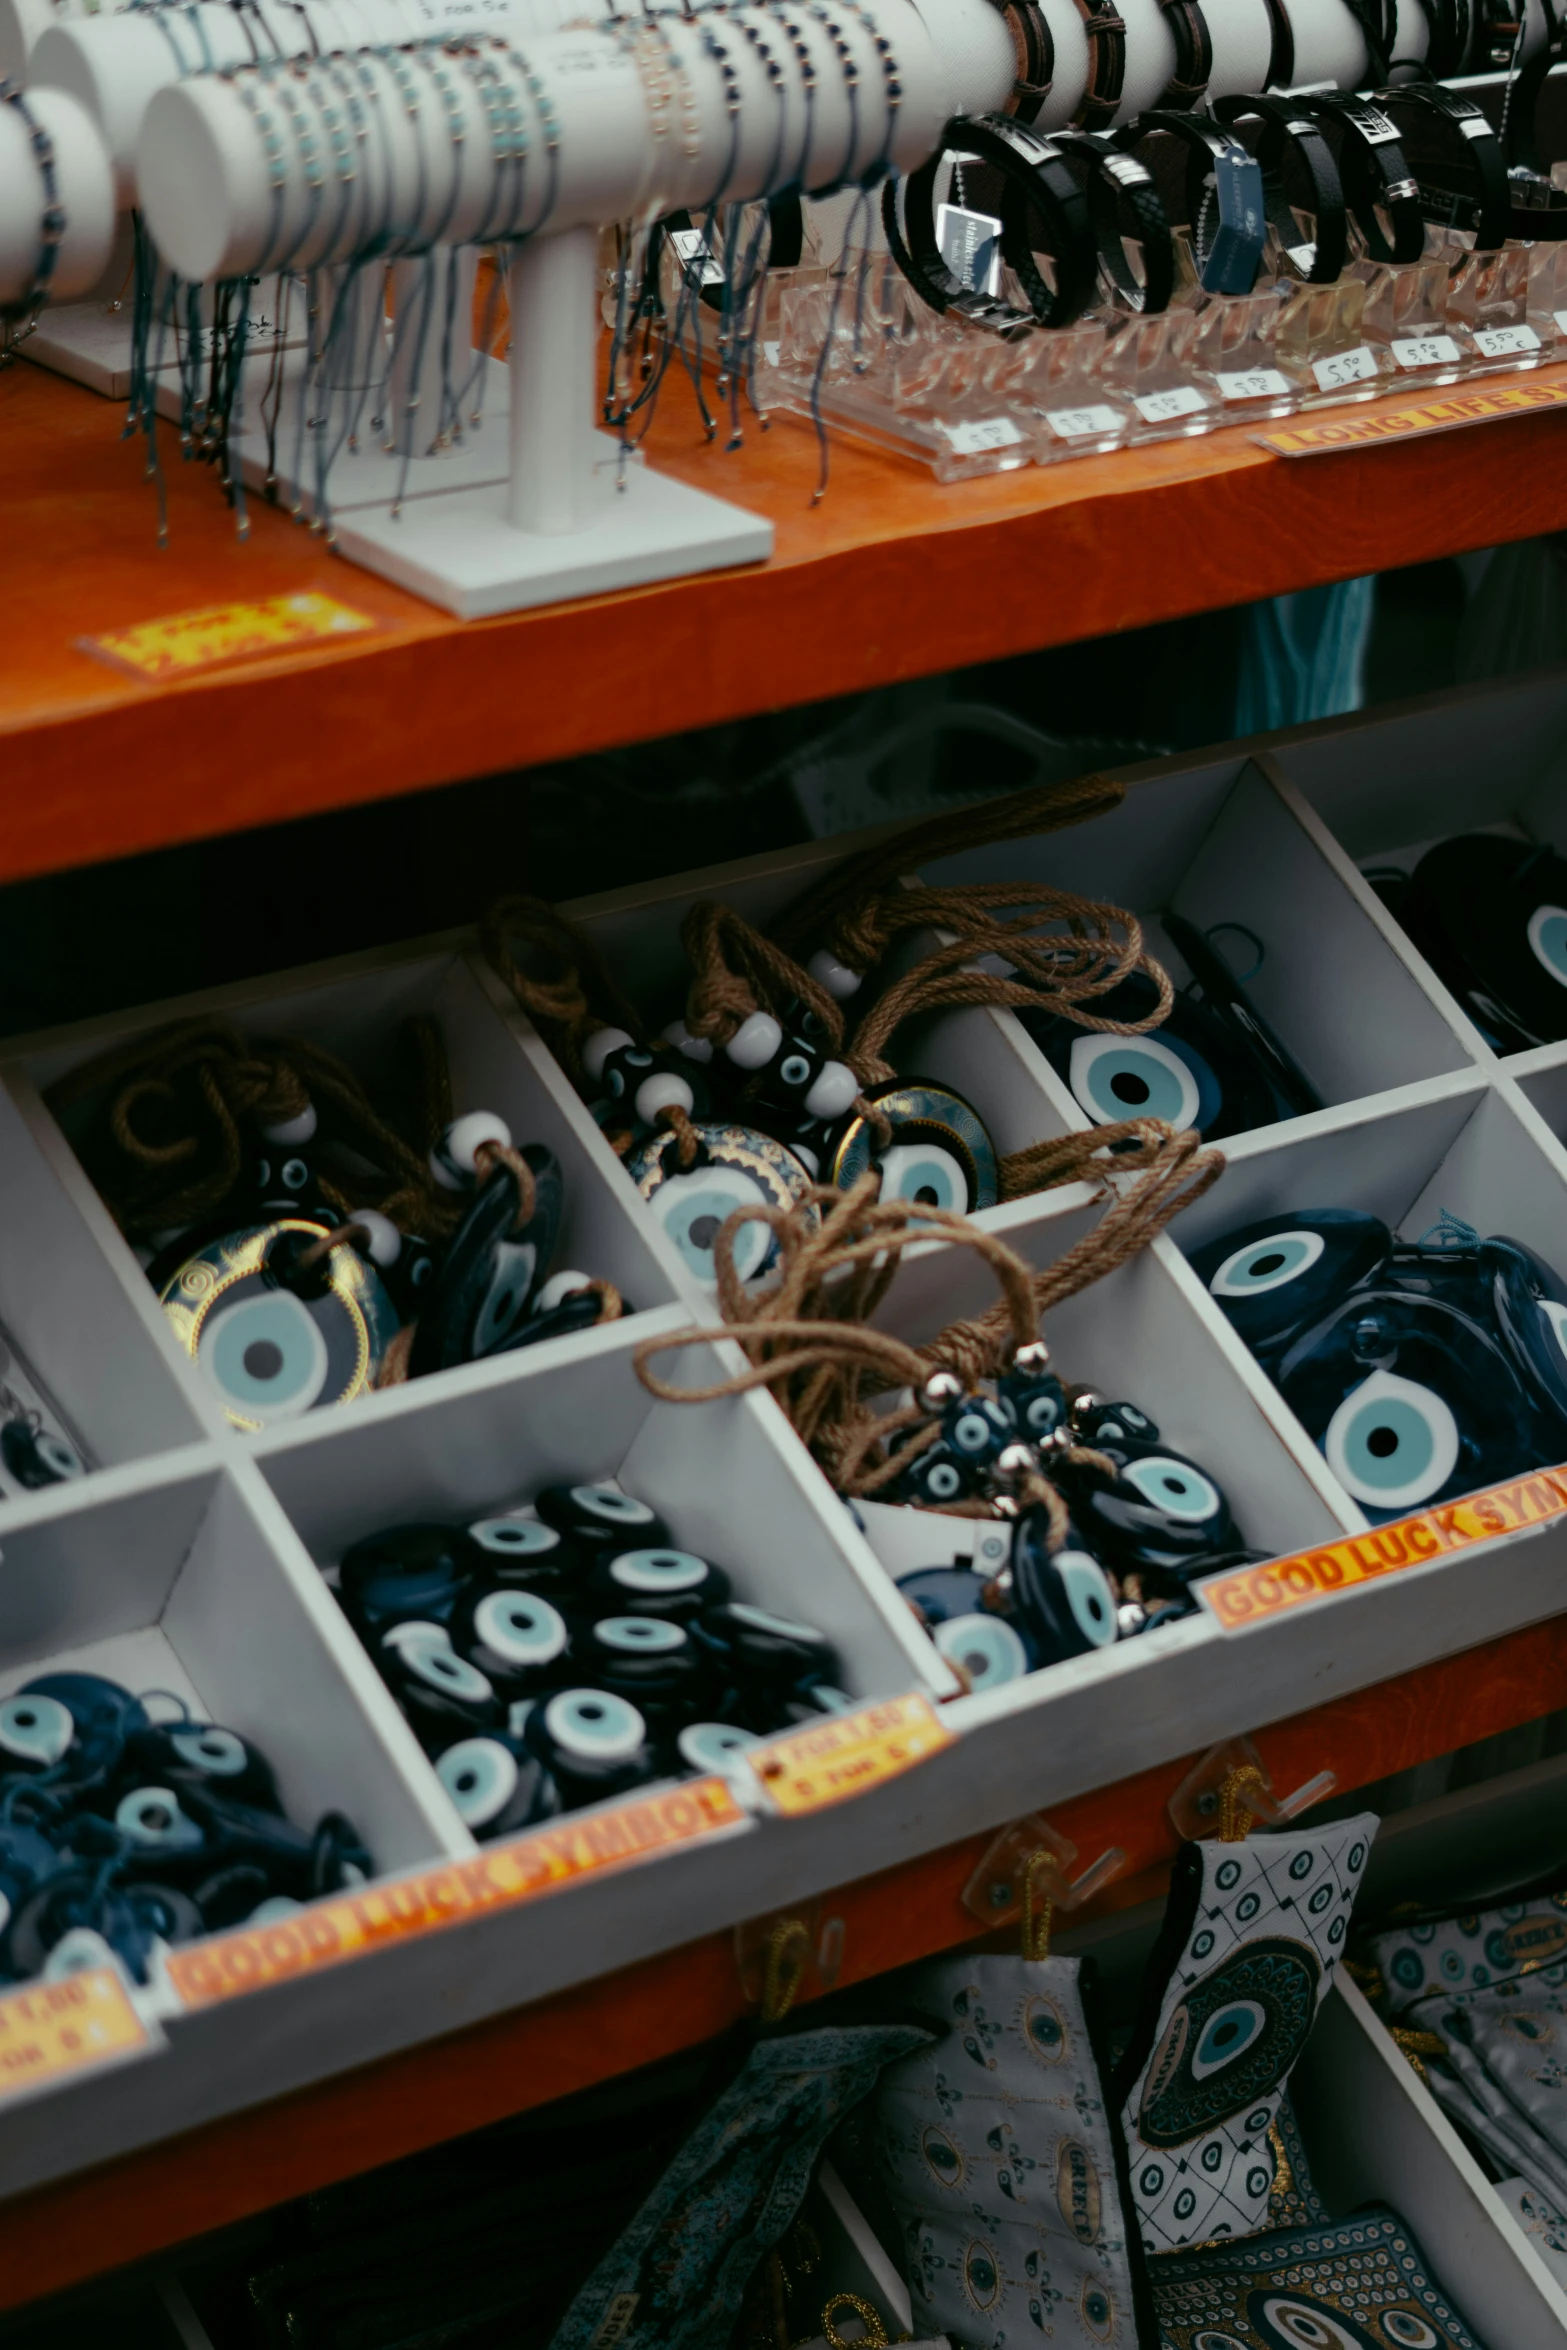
(1188, 84)
(1034, 46)
(1106, 31)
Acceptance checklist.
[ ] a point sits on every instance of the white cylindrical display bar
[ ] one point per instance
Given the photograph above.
(83, 198)
(1241, 32)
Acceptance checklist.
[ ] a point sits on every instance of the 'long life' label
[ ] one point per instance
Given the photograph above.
(1401, 424)
(351, 1924)
(1249, 1595)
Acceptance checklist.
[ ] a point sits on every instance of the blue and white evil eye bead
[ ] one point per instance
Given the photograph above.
(436, 1687)
(514, 1638)
(593, 1742)
(496, 1785)
(1546, 931)
(739, 1167)
(35, 1732)
(524, 1542)
(978, 1428)
(714, 1747)
(940, 1155)
(989, 1649)
(599, 1518)
(1274, 1277)
(1115, 1077)
(152, 1819)
(1177, 1486)
(1393, 1443)
(660, 1582)
(36, 1457)
(268, 1353)
(266, 1356)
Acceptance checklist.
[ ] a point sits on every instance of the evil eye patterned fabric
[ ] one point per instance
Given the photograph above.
(1252, 1935)
(1360, 2284)
(676, 2277)
(1469, 1953)
(1503, 2076)
(1541, 2222)
(998, 2152)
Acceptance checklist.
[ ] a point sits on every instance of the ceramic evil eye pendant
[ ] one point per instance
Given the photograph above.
(1275, 1277)
(271, 1352)
(950, 1603)
(592, 1742)
(739, 1167)
(599, 1519)
(1159, 1514)
(1490, 916)
(444, 1696)
(479, 1299)
(72, 1725)
(940, 1155)
(1063, 1599)
(1193, 1071)
(497, 1784)
(517, 1640)
(202, 1755)
(36, 1456)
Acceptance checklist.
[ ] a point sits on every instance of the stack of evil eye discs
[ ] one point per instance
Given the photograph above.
(122, 1835)
(549, 1660)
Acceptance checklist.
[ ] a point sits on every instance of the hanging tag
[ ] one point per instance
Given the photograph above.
(970, 245)
(994, 1893)
(1197, 1803)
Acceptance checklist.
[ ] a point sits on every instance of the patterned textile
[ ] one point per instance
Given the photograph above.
(1541, 2222)
(1251, 1937)
(1360, 2284)
(1505, 2073)
(677, 2276)
(1000, 2158)
(1469, 1953)
(1293, 2201)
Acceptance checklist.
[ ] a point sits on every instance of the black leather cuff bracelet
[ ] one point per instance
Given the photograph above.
(1288, 130)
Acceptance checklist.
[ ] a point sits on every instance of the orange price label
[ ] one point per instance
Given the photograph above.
(1402, 424)
(1250, 1595)
(52, 2030)
(183, 641)
(848, 1753)
(502, 1876)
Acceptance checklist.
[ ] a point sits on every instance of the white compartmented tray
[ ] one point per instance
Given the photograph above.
(1409, 1131)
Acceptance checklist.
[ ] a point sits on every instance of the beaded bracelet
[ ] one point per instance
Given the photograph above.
(51, 224)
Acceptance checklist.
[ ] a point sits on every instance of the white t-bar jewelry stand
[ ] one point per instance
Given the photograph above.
(630, 120)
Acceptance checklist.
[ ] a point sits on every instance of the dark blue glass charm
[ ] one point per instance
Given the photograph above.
(592, 1742)
(991, 1649)
(497, 1784)
(1063, 1599)
(404, 1572)
(497, 1258)
(1160, 1514)
(600, 1519)
(517, 1640)
(940, 1155)
(1277, 1276)
(1490, 916)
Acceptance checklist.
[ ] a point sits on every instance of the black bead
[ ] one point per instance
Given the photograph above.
(518, 1641)
(592, 1742)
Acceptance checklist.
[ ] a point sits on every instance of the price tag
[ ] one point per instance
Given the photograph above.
(1075, 424)
(1252, 1595)
(1252, 383)
(1424, 351)
(848, 1753)
(695, 256)
(970, 245)
(1164, 407)
(500, 1877)
(156, 649)
(1345, 367)
(1561, 322)
(770, 353)
(1501, 342)
(53, 2030)
(972, 439)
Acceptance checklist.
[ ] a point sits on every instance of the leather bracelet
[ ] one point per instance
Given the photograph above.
(1494, 47)
(1106, 33)
(1222, 178)
(1036, 179)
(1378, 22)
(786, 224)
(1378, 187)
(51, 221)
(1281, 56)
(1188, 84)
(1285, 126)
(1449, 27)
(1034, 47)
(1122, 190)
(1484, 204)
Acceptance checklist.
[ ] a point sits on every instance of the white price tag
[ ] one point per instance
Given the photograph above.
(1561, 322)
(973, 439)
(1424, 351)
(1345, 367)
(1251, 383)
(1501, 342)
(1076, 424)
(770, 353)
(695, 256)
(1164, 407)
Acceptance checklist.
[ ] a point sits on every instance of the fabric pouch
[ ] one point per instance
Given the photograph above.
(1251, 1937)
(1472, 1952)
(1359, 2284)
(1002, 2163)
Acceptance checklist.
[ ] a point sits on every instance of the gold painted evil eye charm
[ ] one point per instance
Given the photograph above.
(939, 1157)
(737, 1168)
(270, 1352)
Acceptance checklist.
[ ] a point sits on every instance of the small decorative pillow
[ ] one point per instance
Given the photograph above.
(1469, 1953)
(1359, 2284)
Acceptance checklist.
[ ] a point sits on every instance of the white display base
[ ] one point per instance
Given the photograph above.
(461, 552)
(92, 345)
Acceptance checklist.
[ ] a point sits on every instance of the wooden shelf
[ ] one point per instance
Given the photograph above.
(102, 2219)
(891, 576)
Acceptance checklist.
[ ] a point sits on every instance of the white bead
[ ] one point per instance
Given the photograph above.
(807, 1158)
(291, 1131)
(695, 1048)
(836, 977)
(666, 1089)
(834, 1090)
(755, 1041)
(383, 1241)
(454, 1160)
(558, 1287)
(598, 1048)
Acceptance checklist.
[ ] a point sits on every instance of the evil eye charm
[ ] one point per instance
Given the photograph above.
(102, 1716)
(1037, 1401)
(129, 1920)
(525, 1554)
(162, 1837)
(989, 1650)
(592, 1742)
(1490, 915)
(738, 1167)
(517, 1640)
(1392, 1443)
(940, 1155)
(1160, 1514)
(977, 1429)
(599, 1519)
(497, 1784)
(34, 1456)
(938, 1476)
(180, 1755)
(939, 1595)
(443, 1695)
(714, 1749)
(659, 1582)
(801, 1081)
(479, 1299)
(1063, 1600)
(1107, 1425)
(268, 1353)
(1529, 1303)
(1274, 1277)
(1196, 1070)
(36, 1734)
(649, 1659)
(404, 1572)
(280, 1180)
(754, 1644)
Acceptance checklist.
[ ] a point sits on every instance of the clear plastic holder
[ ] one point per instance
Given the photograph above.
(1546, 309)
(1406, 315)
(1236, 358)
(1321, 335)
(1147, 363)
(1058, 374)
(1488, 294)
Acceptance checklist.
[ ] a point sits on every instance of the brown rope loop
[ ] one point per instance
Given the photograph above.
(687, 1140)
(394, 1360)
(736, 971)
(556, 974)
(491, 1155)
(343, 1236)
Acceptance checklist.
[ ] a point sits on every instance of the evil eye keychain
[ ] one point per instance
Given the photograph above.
(1490, 916)
(736, 1167)
(939, 1154)
(34, 1450)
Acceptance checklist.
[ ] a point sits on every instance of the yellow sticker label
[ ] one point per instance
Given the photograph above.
(1402, 424)
(502, 1876)
(184, 641)
(848, 1753)
(1249, 1595)
(54, 2029)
